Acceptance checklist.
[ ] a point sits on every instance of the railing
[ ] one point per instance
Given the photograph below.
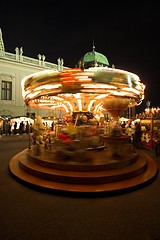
(9, 56)
(28, 60)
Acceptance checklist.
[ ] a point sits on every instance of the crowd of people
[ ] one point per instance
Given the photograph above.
(8, 127)
(133, 130)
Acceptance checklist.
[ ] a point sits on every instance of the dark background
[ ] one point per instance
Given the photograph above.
(126, 33)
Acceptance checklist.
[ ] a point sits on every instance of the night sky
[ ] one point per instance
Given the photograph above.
(127, 34)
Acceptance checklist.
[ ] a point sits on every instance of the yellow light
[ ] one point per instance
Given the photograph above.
(90, 105)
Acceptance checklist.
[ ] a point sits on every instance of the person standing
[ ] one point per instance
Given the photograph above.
(27, 128)
(137, 135)
(6, 127)
(21, 127)
(15, 127)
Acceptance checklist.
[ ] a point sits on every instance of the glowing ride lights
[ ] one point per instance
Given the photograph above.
(84, 162)
(82, 148)
(83, 90)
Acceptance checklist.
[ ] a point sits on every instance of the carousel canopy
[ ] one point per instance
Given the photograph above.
(83, 90)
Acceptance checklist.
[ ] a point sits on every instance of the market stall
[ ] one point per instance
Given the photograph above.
(149, 126)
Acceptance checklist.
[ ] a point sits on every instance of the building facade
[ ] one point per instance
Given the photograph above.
(13, 68)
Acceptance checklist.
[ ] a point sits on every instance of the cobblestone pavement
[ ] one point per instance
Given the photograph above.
(27, 213)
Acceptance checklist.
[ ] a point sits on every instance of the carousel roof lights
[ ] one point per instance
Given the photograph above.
(117, 93)
(140, 87)
(47, 87)
(101, 96)
(129, 81)
(60, 106)
(92, 85)
(78, 73)
(68, 95)
(26, 78)
(77, 95)
(90, 104)
(56, 98)
(95, 69)
(32, 95)
(112, 70)
(70, 105)
(98, 107)
(79, 104)
(46, 104)
(98, 86)
(83, 78)
(131, 90)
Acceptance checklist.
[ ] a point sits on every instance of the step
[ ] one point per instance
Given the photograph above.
(136, 181)
(79, 177)
(97, 161)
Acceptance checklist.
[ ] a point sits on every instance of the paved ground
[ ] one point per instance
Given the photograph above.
(27, 213)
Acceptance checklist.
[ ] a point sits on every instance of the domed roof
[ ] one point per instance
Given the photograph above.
(93, 59)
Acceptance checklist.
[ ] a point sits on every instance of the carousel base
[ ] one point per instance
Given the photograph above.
(99, 173)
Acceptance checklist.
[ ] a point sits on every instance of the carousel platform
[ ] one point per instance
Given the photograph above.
(98, 173)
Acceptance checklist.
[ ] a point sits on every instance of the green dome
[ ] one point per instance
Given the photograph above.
(93, 59)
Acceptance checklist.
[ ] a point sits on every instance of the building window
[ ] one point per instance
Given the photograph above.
(6, 90)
